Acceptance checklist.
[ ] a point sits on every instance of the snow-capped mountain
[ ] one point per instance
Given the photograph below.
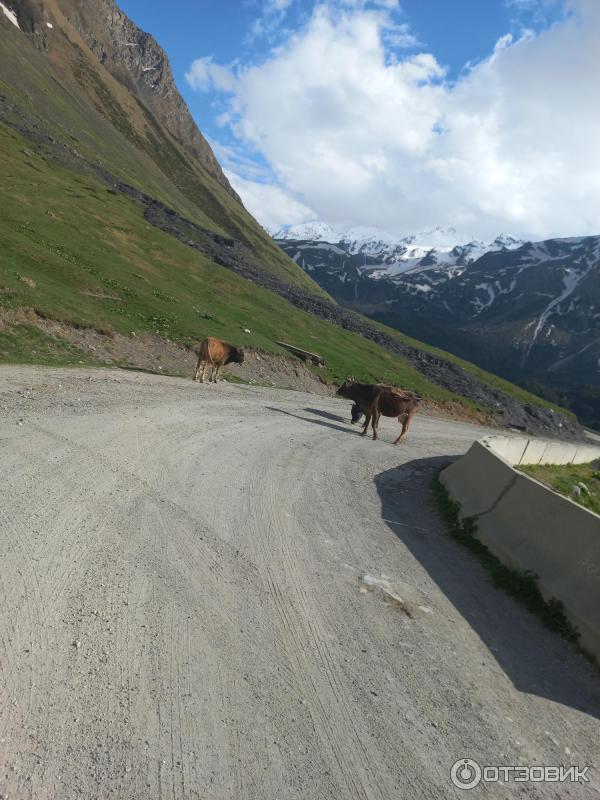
(527, 310)
(393, 255)
(314, 231)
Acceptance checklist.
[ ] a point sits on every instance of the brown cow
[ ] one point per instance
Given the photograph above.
(377, 399)
(216, 353)
(356, 411)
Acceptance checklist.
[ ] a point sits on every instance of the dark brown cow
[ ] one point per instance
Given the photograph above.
(356, 411)
(373, 400)
(215, 353)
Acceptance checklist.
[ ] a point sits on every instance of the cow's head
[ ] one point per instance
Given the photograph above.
(355, 414)
(345, 389)
(237, 355)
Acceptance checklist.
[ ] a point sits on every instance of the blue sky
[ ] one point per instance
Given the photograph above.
(376, 113)
(457, 31)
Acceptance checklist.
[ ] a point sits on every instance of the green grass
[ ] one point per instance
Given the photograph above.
(96, 262)
(520, 584)
(40, 348)
(562, 478)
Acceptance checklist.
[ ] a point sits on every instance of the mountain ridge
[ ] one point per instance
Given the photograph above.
(58, 93)
(398, 254)
(134, 58)
(131, 56)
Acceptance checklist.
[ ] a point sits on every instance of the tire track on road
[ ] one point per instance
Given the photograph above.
(304, 633)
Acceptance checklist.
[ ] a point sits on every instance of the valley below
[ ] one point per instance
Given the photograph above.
(528, 311)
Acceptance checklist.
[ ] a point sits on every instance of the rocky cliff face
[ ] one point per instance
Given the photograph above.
(133, 57)
(82, 79)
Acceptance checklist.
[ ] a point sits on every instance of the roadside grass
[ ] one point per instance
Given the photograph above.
(522, 585)
(40, 348)
(75, 252)
(563, 478)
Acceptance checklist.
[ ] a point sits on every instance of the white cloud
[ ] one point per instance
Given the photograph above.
(268, 23)
(359, 136)
(278, 5)
(521, 4)
(235, 160)
(272, 206)
(400, 36)
(204, 74)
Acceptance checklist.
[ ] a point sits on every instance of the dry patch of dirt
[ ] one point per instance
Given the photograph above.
(148, 351)
(28, 281)
(99, 294)
(152, 352)
(285, 372)
(452, 409)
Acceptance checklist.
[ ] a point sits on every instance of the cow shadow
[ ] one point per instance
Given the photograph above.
(322, 422)
(535, 659)
(327, 414)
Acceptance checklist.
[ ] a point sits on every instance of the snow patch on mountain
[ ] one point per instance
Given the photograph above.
(480, 304)
(369, 241)
(572, 278)
(307, 231)
(390, 256)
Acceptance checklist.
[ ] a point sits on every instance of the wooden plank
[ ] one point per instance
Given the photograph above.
(305, 354)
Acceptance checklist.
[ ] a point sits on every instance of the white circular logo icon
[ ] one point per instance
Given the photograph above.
(465, 773)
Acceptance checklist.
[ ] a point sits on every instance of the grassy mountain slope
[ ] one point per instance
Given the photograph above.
(77, 252)
(67, 94)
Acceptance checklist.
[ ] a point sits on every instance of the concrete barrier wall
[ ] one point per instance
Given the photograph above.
(530, 527)
(521, 450)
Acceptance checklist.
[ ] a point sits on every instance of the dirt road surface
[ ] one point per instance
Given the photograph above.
(223, 592)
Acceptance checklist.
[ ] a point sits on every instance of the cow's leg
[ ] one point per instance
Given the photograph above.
(405, 423)
(203, 375)
(404, 426)
(197, 368)
(375, 424)
(216, 373)
(366, 425)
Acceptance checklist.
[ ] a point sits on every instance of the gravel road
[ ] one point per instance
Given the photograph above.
(223, 592)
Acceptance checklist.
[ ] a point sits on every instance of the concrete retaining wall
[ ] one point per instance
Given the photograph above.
(529, 526)
(521, 450)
